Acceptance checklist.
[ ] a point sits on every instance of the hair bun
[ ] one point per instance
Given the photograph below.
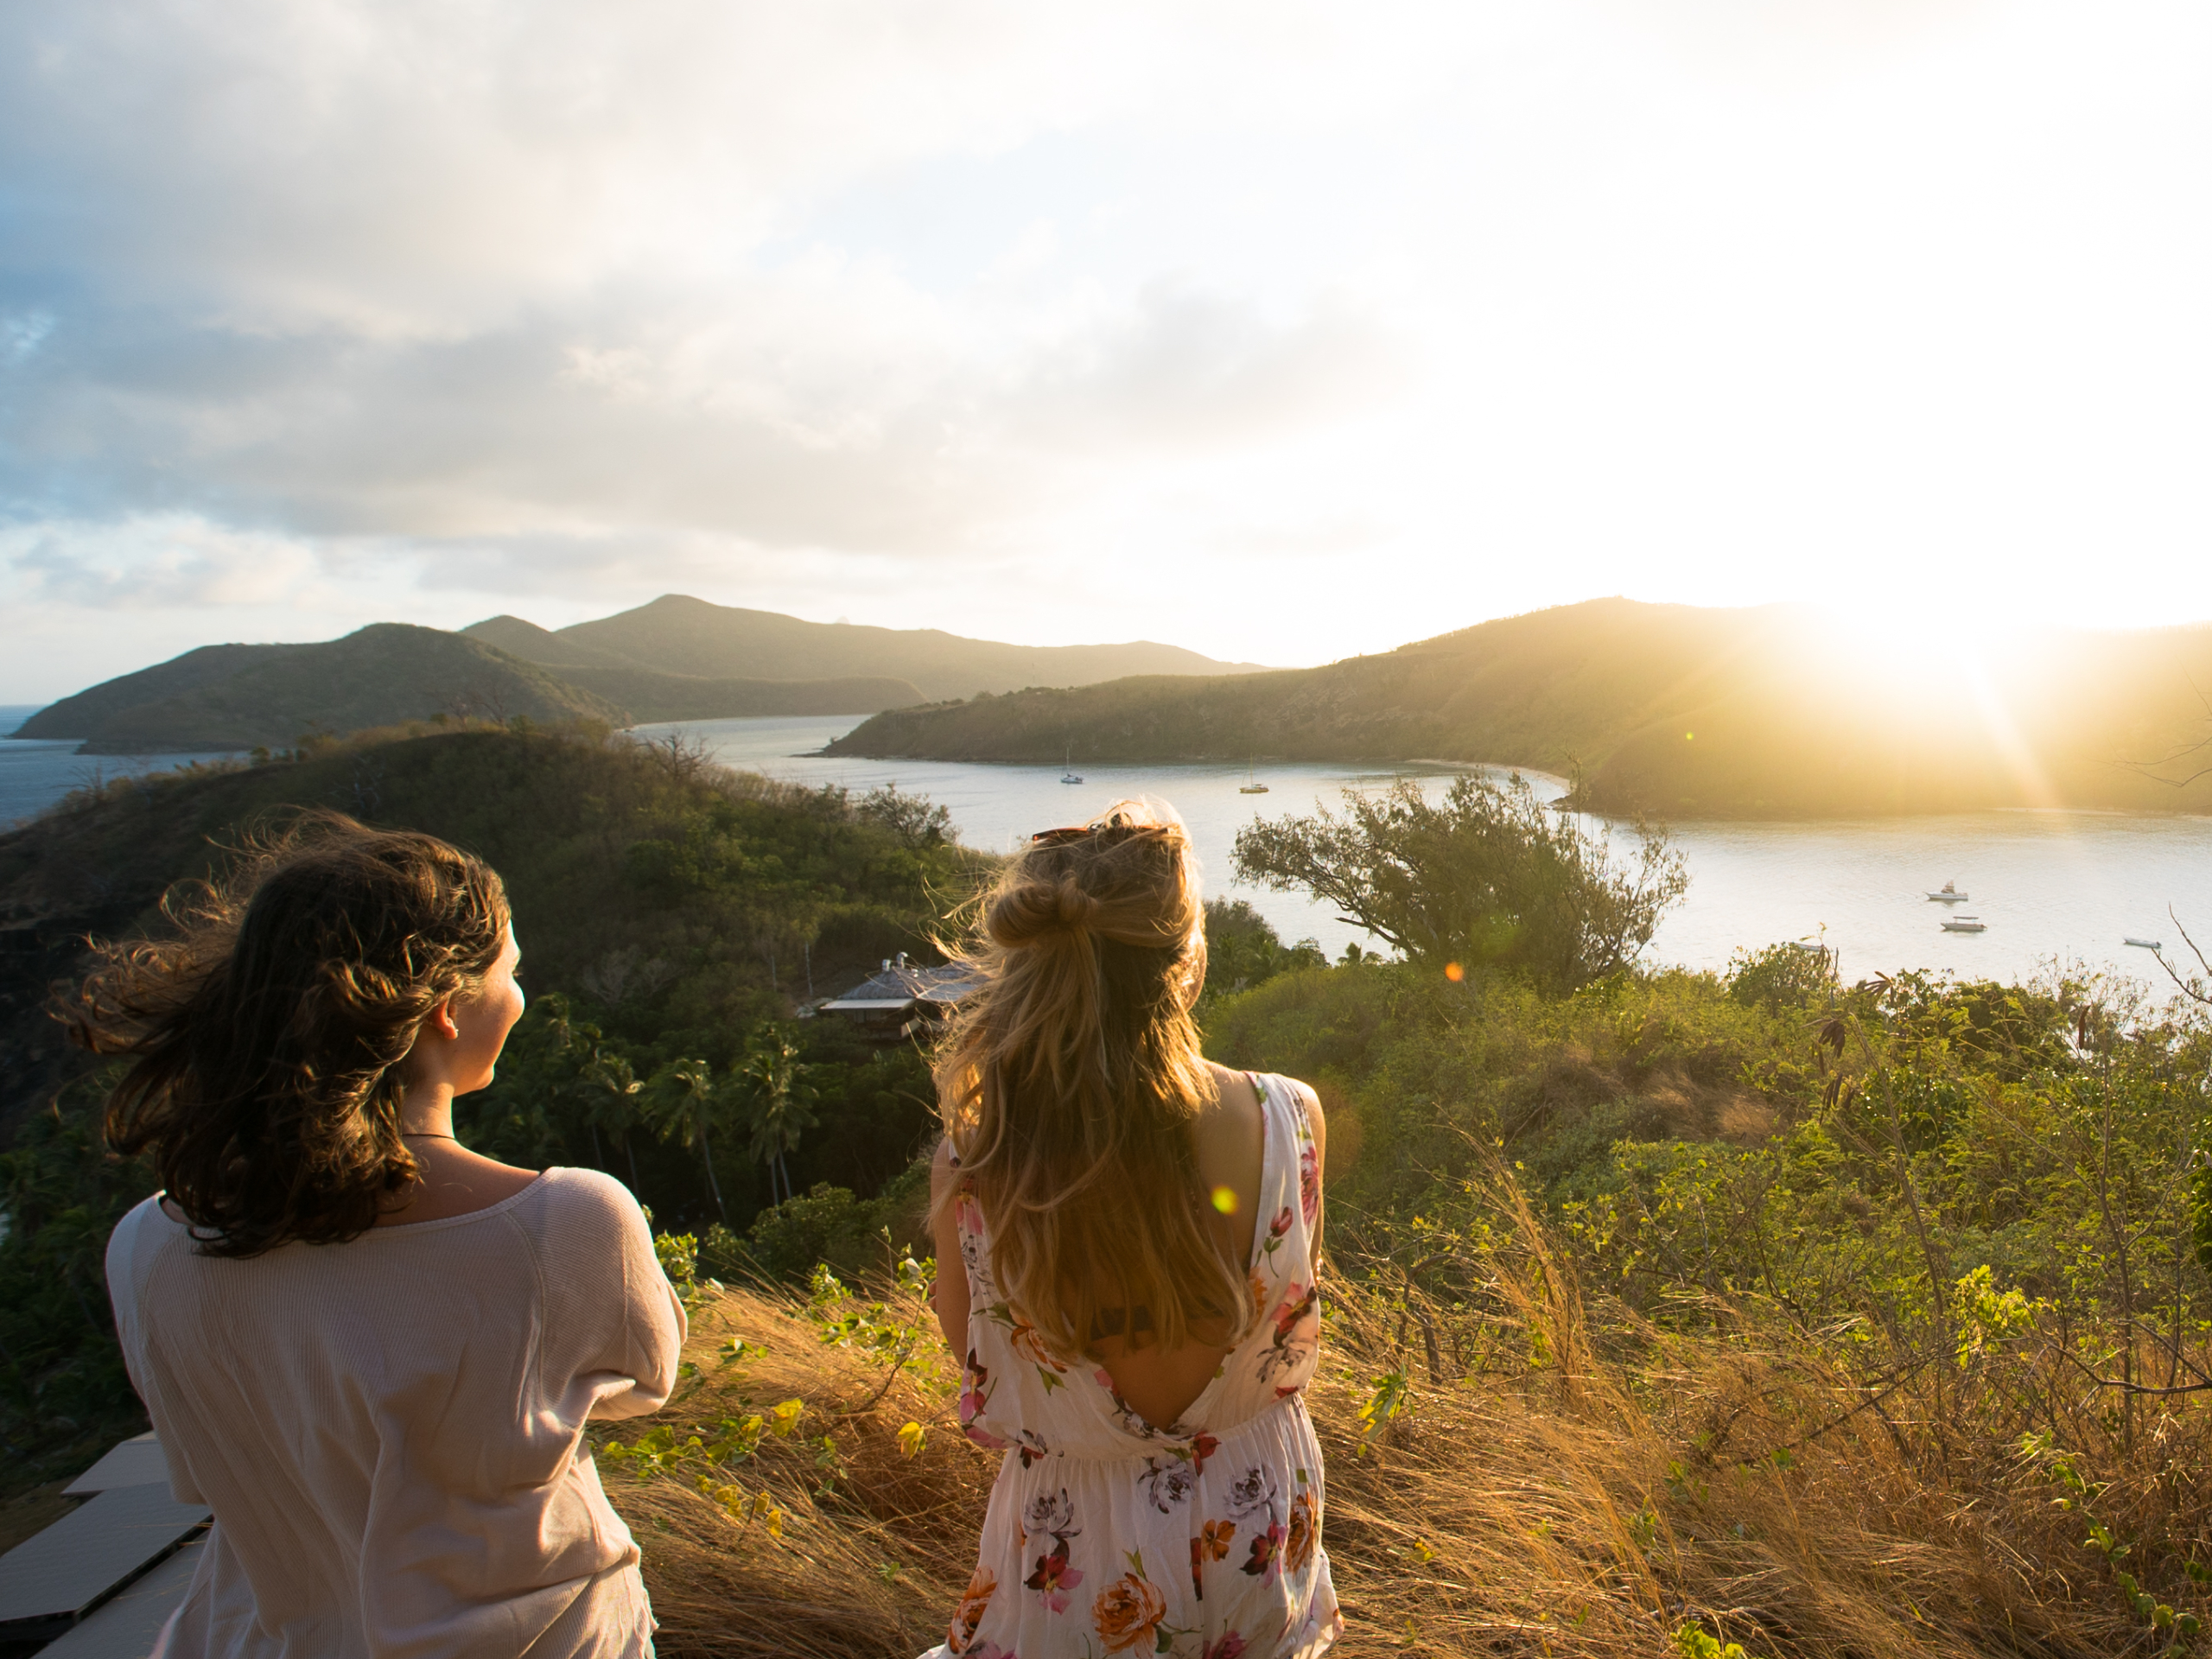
(1033, 911)
(1077, 907)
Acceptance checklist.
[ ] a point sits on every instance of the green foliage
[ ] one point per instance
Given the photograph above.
(777, 1097)
(916, 824)
(1692, 1642)
(64, 1397)
(1243, 949)
(1791, 975)
(2199, 1188)
(1488, 874)
(1985, 1192)
(678, 1255)
(831, 1227)
(683, 1104)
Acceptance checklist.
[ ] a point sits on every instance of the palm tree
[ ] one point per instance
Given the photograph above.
(684, 1105)
(610, 1090)
(778, 1101)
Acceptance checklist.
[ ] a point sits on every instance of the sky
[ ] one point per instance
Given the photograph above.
(1282, 332)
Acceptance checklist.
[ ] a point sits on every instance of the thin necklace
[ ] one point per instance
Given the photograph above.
(426, 1134)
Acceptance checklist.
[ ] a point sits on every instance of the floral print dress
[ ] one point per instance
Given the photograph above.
(1106, 1535)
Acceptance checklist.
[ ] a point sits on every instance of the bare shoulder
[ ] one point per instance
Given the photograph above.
(943, 1172)
(1236, 1099)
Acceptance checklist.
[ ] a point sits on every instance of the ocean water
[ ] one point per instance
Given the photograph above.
(2064, 887)
(2053, 886)
(35, 772)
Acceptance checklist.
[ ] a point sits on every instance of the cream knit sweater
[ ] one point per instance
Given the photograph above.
(390, 1430)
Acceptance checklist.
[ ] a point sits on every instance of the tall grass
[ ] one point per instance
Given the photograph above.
(1524, 1471)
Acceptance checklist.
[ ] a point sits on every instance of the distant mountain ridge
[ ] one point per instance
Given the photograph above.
(1671, 709)
(241, 696)
(674, 659)
(676, 634)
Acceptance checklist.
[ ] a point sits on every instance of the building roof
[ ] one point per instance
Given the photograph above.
(902, 985)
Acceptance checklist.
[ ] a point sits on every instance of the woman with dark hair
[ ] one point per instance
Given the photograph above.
(370, 1350)
(1137, 1234)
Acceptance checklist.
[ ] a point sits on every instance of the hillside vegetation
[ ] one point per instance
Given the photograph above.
(1653, 1325)
(1668, 709)
(681, 635)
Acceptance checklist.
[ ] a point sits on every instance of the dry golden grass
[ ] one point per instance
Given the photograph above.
(1550, 1503)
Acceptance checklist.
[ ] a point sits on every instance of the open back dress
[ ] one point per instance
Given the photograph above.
(1106, 1534)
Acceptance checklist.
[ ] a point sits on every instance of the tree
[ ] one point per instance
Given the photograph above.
(683, 1104)
(1243, 949)
(609, 1089)
(778, 1101)
(917, 822)
(1488, 874)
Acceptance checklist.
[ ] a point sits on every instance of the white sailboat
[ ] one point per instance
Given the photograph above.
(1251, 785)
(1071, 776)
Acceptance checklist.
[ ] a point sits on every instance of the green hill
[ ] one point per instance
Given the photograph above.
(679, 635)
(650, 693)
(541, 645)
(1673, 709)
(241, 696)
(649, 697)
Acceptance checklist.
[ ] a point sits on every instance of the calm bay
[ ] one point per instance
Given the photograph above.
(2052, 886)
(2064, 887)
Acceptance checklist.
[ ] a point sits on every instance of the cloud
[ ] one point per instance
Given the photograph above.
(154, 563)
(1183, 366)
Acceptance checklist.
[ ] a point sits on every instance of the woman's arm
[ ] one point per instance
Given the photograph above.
(949, 1295)
(615, 1328)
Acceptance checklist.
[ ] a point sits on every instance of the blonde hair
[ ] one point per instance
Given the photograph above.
(1069, 1083)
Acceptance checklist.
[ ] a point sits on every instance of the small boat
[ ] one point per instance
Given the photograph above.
(1251, 785)
(1965, 924)
(1948, 893)
(2144, 944)
(1071, 776)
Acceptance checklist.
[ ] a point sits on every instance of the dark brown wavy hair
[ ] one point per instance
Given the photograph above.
(267, 1022)
(1068, 1085)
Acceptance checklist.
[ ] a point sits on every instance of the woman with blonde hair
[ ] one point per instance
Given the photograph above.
(1128, 1237)
(369, 1350)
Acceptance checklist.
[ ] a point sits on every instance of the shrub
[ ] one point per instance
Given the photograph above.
(1488, 874)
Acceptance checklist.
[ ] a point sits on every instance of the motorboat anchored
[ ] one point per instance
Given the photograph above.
(1965, 924)
(2144, 944)
(1948, 893)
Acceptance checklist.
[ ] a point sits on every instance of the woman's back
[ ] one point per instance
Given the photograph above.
(389, 1429)
(1229, 1142)
(1109, 1531)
